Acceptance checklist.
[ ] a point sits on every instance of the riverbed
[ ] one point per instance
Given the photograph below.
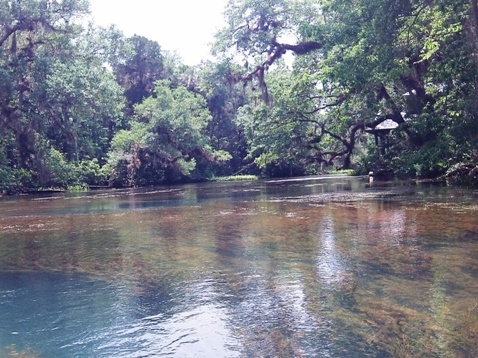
(301, 267)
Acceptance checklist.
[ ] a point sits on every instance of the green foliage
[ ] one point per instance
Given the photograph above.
(464, 173)
(91, 173)
(224, 96)
(166, 141)
(6, 179)
(138, 70)
(57, 169)
(427, 162)
(410, 62)
(84, 104)
(78, 188)
(81, 105)
(58, 104)
(306, 126)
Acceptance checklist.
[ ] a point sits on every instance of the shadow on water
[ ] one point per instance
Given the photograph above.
(328, 267)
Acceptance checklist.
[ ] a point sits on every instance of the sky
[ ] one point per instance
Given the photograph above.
(186, 27)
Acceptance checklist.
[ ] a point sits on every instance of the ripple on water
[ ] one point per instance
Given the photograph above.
(72, 315)
(201, 331)
(294, 272)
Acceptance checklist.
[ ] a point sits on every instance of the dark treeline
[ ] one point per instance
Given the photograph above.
(297, 87)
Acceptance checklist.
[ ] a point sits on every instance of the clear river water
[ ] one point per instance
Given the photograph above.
(306, 267)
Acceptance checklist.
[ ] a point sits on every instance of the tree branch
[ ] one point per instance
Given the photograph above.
(276, 51)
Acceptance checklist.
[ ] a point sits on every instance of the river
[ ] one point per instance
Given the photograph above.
(305, 267)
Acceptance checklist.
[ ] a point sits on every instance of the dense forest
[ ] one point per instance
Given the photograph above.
(297, 87)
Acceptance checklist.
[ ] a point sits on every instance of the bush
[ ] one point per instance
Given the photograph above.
(90, 172)
(61, 172)
(464, 173)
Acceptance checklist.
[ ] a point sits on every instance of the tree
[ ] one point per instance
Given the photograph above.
(261, 32)
(167, 139)
(138, 69)
(59, 105)
(224, 96)
(404, 61)
(31, 32)
(306, 127)
(83, 105)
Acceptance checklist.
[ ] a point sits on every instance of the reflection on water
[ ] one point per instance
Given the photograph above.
(323, 267)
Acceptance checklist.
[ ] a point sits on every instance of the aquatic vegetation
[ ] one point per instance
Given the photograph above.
(78, 187)
(236, 178)
(389, 272)
(344, 171)
(12, 352)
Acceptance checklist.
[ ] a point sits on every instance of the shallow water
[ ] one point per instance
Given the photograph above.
(309, 267)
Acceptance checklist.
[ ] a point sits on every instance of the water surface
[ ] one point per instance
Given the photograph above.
(308, 267)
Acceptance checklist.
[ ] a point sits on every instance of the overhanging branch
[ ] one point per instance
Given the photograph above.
(276, 52)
